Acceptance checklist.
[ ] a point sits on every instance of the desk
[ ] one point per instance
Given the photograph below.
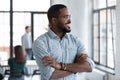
(4, 66)
(31, 65)
(28, 63)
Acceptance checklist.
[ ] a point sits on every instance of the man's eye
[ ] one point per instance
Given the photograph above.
(67, 16)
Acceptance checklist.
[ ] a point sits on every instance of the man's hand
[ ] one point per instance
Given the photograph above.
(81, 58)
(49, 61)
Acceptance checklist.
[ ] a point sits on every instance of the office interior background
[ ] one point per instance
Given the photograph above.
(95, 22)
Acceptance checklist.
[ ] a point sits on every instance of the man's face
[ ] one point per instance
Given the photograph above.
(63, 21)
(28, 29)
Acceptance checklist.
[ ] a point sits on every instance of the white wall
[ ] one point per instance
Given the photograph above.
(117, 60)
(81, 19)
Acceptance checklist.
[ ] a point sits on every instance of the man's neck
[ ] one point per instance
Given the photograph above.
(58, 33)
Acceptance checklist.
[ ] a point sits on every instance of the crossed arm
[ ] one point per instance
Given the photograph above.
(80, 65)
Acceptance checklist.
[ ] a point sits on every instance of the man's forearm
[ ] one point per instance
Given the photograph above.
(64, 69)
(71, 68)
(60, 74)
(79, 67)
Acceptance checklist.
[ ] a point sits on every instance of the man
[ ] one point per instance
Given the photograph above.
(60, 56)
(27, 46)
(27, 42)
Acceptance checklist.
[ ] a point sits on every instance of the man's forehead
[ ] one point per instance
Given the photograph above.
(64, 11)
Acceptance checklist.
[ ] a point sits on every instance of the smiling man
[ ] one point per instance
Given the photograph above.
(60, 55)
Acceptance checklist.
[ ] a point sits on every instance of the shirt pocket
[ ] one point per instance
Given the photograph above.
(72, 52)
(55, 53)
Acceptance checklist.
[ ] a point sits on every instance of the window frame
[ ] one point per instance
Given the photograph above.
(104, 67)
(11, 21)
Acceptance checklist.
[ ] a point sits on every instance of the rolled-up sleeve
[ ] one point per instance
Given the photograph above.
(46, 73)
(82, 50)
(92, 64)
(39, 51)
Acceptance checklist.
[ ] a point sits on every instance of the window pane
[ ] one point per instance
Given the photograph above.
(111, 2)
(4, 5)
(96, 38)
(96, 26)
(96, 44)
(96, 32)
(103, 46)
(40, 24)
(95, 19)
(31, 5)
(99, 4)
(96, 50)
(110, 59)
(103, 37)
(103, 17)
(103, 57)
(110, 38)
(103, 43)
(20, 20)
(4, 36)
(103, 23)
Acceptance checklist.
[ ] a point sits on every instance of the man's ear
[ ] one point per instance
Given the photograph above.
(54, 20)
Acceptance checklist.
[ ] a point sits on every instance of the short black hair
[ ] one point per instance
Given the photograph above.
(53, 11)
(26, 27)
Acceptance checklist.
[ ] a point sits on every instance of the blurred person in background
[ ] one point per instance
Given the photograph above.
(27, 42)
(17, 64)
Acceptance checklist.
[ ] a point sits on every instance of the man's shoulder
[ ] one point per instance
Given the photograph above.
(24, 35)
(40, 41)
(41, 38)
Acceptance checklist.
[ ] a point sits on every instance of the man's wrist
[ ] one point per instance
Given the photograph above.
(63, 66)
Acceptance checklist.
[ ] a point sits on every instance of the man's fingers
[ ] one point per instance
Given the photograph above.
(83, 56)
(48, 61)
(47, 58)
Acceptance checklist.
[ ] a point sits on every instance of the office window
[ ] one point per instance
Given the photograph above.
(41, 24)
(20, 20)
(104, 24)
(99, 4)
(4, 36)
(31, 5)
(19, 16)
(4, 5)
(111, 2)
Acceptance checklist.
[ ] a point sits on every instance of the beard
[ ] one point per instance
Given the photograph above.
(64, 28)
(67, 29)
